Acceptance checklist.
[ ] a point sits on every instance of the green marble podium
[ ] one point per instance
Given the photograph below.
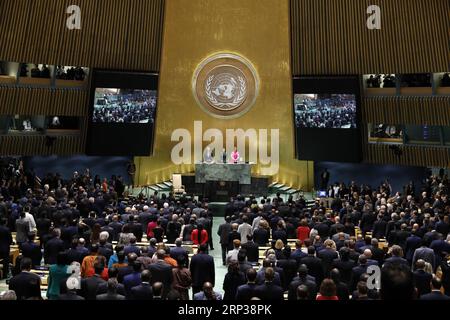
(241, 172)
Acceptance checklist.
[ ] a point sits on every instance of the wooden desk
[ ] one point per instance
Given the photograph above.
(13, 254)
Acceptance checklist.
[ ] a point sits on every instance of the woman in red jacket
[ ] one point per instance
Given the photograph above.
(199, 235)
(303, 231)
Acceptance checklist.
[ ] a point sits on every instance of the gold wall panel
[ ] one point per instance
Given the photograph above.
(13, 145)
(407, 110)
(331, 37)
(120, 34)
(43, 101)
(420, 156)
(194, 30)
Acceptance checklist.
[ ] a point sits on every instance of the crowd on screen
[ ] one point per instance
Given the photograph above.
(333, 112)
(137, 107)
(143, 248)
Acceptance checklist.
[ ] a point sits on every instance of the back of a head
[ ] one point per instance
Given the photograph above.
(436, 283)
(302, 292)
(98, 267)
(328, 288)
(25, 264)
(112, 285)
(396, 283)
(157, 289)
(132, 257)
(344, 253)
(420, 264)
(94, 248)
(302, 271)
(9, 295)
(203, 247)
(112, 272)
(269, 274)
(137, 266)
(146, 276)
(61, 258)
(362, 259)
(233, 267)
(397, 251)
(362, 288)
(236, 243)
(242, 255)
(335, 275)
(160, 254)
(251, 275)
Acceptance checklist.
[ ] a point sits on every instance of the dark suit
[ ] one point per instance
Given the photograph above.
(103, 288)
(434, 295)
(117, 226)
(131, 280)
(179, 251)
(379, 229)
(74, 255)
(244, 266)
(246, 291)
(297, 255)
(422, 281)
(122, 272)
(52, 248)
(70, 296)
(261, 236)
(345, 269)
(110, 297)
(357, 272)
(202, 270)
(105, 250)
(269, 292)
(33, 251)
(289, 271)
(233, 235)
(132, 248)
(90, 286)
(5, 243)
(162, 272)
(412, 243)
(261, 274)
(327, 256)
(252, 250)
(315, 268)
(395, 261)
(230, 284)
(142, 292)
(26, 285)
(342, 291)
(309, 282)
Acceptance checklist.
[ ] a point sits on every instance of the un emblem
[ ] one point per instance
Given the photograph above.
(225, 85)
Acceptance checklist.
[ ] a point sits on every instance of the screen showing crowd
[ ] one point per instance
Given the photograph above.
(336, 111)
(124, 106)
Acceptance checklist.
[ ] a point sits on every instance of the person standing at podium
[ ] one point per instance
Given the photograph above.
(235, 155)
(224, 156)
(208, 156)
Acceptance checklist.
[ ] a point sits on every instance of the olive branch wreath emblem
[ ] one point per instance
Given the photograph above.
(240, 97)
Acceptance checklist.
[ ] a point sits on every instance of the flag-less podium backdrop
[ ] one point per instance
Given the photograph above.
(226, 66)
